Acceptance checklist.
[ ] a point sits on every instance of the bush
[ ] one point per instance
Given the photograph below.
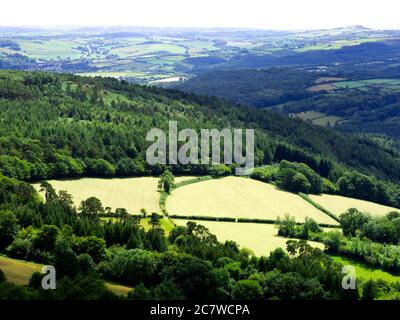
(247, 290)
(298, 177)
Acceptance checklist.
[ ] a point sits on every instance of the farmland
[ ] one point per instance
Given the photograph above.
(365, 272)
(339, 204)
(19, 272)
(237, 197)
(260, 238)
(132, 194)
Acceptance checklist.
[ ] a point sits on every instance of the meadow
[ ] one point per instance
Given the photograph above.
(238, 197)
(365, 272)
(340, 204)
(51, 49)
(259, 238)
(19, 272)
(132, 194)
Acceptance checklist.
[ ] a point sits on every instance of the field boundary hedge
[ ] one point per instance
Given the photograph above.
(318, 206)
(239, 220)
(164, 195)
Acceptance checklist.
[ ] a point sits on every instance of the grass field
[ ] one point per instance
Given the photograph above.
(260, 238)
(166, 224)
(365, 272)
(51, 49)
(19, 272)
(239, 197)
(389, 84)
(132, 194)
(339, 204)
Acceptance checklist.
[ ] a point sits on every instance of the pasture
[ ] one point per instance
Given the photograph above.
(340, 204)
(260, 238)
(18, 271)
(365, 272)
(239, 197)
(51, 49)
(386, 84)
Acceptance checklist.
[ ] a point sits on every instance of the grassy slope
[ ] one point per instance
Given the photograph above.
(365, 272)
(240, 198)
(260, 238)
(19, 272)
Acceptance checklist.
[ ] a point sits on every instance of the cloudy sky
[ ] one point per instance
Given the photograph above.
(265, 14)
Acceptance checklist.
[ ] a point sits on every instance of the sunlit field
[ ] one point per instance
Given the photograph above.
(238, 197)
(339, 205)
(258, 237)
(19, 272)
(132, 194)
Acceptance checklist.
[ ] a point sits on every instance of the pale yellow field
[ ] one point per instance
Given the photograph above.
(132, 194)
(339, 205)
(258, 237)
(239, 197)
(19, 272)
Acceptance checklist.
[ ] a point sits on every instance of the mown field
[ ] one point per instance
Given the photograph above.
(19, 272)
(339, 204)
(238, 197)
(132, 194)
(258, 237)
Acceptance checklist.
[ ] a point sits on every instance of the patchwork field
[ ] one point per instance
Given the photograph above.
(239, 197)
(260, 238)
(339, 204)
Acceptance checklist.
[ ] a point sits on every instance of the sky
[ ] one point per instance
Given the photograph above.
(260, 14)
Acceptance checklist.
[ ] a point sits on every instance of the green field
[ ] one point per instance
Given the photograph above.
(338, 44)
(52, 49)
(166, 224)
(389, 84)
(259, 238)
(365, 272)
(339, 204)
(239, 197)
